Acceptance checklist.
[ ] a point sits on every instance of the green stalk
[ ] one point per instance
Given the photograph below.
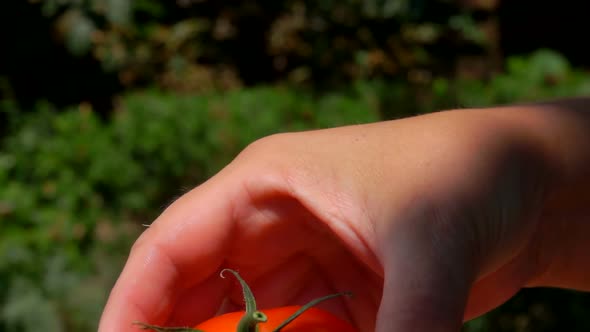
(306, 307)
(252, 316)
(156, 328)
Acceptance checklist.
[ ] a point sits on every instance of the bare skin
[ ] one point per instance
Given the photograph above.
(429, 221)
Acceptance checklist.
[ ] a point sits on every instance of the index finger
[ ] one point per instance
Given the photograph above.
(181, 250)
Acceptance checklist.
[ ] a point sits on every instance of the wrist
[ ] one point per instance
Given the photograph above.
(559, 130)
(560, 133)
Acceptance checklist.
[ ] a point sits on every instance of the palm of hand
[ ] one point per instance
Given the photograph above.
(286, 254)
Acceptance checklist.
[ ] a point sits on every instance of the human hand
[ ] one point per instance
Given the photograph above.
(427, 221)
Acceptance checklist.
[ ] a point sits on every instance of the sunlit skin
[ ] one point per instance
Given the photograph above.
(428, 221)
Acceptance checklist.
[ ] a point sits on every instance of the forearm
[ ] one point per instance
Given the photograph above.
(561, 130)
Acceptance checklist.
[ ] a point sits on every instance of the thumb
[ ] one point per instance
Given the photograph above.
(426, 286)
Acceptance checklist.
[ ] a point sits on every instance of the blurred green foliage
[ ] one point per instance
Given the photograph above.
(192, 89)
(544, 74)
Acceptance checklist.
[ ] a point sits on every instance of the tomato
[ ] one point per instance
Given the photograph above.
(283, 319)
(311, 320)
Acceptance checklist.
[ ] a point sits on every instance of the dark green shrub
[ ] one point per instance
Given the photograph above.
(543, 74)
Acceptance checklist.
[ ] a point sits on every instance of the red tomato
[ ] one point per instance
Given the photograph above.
(312, 320)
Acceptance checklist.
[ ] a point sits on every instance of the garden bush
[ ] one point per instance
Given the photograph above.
(544, 74)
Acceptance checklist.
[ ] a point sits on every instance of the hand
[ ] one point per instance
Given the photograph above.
(428, 221)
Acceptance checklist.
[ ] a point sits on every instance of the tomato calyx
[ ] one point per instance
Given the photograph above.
(252, 316)
(307, 306)
(156, 328)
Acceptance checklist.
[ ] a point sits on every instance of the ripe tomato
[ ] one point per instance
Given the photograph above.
(312, 320)
(284, 319)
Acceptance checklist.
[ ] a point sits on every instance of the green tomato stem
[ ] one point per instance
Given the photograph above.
(252, 317)
(156, 328)
(306, 307)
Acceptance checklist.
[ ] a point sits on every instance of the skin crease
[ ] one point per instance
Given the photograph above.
(428, 221)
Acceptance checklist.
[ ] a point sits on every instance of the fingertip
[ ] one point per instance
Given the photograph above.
(178, 253)
(119, 316)
(422, 291)
(137, 298)
(420, 308)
